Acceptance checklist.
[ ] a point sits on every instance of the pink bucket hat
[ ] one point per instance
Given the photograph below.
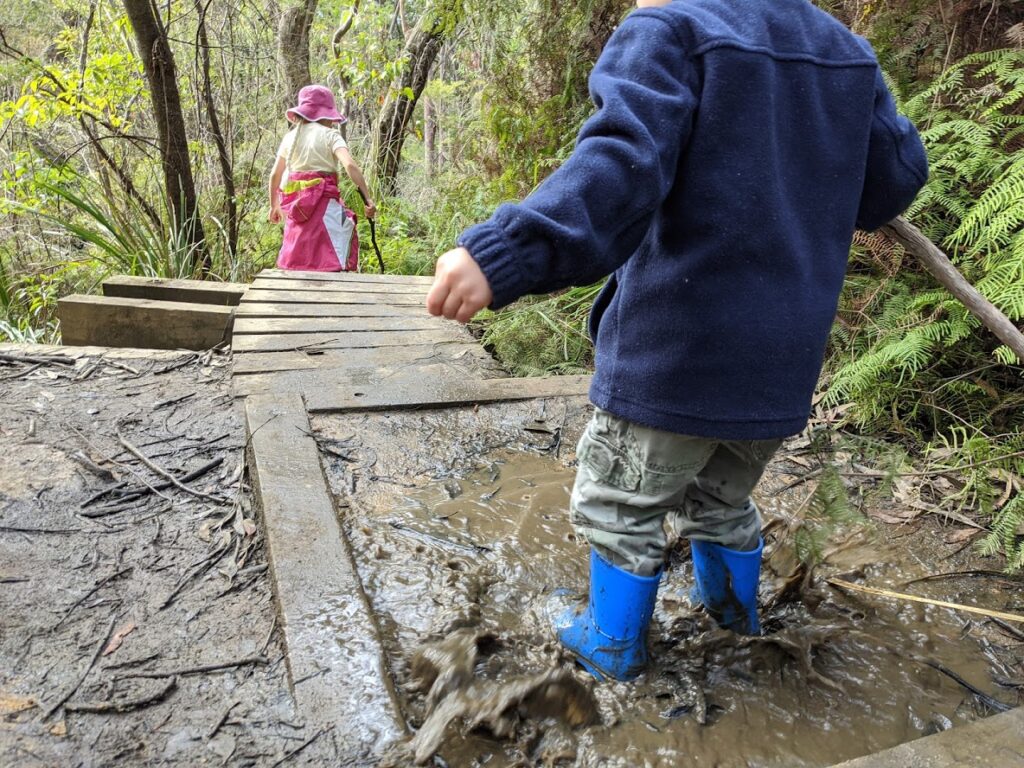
(316, 103)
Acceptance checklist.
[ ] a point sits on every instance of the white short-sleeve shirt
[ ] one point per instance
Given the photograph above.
(315, 149)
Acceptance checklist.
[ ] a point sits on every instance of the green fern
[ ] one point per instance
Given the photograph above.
(909, 356)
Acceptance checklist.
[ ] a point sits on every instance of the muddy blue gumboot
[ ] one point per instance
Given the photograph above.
(608, 636)
(727, 584)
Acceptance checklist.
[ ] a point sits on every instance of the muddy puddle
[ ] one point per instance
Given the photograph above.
(459, 524)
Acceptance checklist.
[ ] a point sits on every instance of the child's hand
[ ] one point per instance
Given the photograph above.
(460, 289)
(275, 214)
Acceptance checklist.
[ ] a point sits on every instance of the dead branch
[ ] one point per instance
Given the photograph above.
(943, 270)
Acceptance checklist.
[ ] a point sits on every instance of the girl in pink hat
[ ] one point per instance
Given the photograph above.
(319, 231)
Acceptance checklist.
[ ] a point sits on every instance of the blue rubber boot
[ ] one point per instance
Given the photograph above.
(727, 584)
(608, 636)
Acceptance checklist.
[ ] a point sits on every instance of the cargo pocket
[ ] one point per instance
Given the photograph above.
(607, 464)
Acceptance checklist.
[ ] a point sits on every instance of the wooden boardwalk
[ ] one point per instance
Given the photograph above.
(315, 342)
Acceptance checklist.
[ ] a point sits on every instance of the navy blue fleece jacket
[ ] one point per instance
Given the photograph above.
(736, 146)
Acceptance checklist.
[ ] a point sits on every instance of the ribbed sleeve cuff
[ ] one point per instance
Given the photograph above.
(487, 245)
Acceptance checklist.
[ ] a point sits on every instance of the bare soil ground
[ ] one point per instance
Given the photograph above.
(136, 617)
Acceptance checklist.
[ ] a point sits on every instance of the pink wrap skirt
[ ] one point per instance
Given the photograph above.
(319, 231)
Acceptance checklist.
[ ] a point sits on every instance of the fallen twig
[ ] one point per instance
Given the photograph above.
(164, 473)
(950, 574)
(128, 495)
(92, 663)
(810, 475)
(302, 746)
(985, 699)
(199, 669)
(175, 366)
(125, 705)
(122, 366)
(199, 570)
(1008, 629)
(39, 360)
(223, 718)
(99, 585)
(470, 547)
(19, 529)
(173, 401)
(928, 601)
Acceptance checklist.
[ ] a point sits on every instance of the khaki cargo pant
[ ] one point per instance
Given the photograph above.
(633, 480)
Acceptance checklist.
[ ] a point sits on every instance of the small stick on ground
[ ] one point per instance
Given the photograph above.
(175, 366)
(164, 473)
(48, 360)
(99, 585)
(92, 663)
(19, 529)
(223, 719)
(134, 494)
(200, 669)
(951, 574)
(1011, 631)
(302, 746)
(983, 697)
(199, 570)
(928, 601)
(125, 705)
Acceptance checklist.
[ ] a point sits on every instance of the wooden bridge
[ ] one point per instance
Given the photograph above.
(309, 343)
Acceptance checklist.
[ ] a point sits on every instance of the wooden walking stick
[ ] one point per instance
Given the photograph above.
(943, 270)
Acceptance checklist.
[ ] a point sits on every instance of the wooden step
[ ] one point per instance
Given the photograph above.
(164, 289)
(109, 321)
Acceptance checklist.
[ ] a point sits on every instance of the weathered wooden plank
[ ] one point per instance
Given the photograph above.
(117, 322)
(162, 289)
(376, 371)
(274, 283)
(335, 659)
(249, 363)
(257, 294)
(297, 341)
(275, 309)
(267, 325)
(992, 742)
(348, 277)
(431, 386)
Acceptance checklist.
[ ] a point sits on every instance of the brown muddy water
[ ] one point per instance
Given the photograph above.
(459, 525)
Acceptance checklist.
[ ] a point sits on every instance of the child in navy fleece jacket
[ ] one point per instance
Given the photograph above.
(735, 147)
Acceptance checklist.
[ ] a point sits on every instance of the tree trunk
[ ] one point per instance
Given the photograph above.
(179, 185)
(433, 28)
(223, 156)
(293, 48)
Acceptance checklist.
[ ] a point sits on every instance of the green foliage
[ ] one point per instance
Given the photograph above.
(906, 354)
(543, 335)
(826, 509)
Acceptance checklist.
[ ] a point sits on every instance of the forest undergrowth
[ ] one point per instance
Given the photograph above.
(912, 383)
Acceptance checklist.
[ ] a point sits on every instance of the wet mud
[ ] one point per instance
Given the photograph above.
(459, 525)
(136, 619)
